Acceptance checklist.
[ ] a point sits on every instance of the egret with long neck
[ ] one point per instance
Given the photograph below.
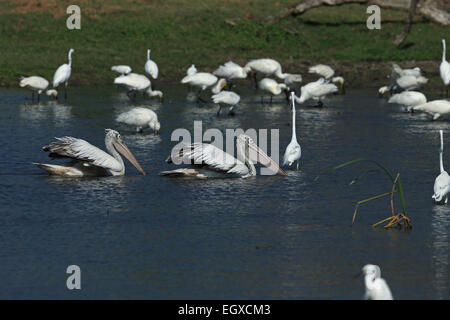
(293, 151)
(442, 182)
(445, 69)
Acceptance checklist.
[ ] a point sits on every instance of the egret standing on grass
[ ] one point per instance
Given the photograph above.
(62, 74)
(151, 67)
(39, 84)
(445, 69)
(376, 287)
(293, 151)
(442, 182)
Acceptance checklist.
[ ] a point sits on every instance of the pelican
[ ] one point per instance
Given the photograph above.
(134, 82)
(411, 82)
(204, 80)
(122, 69)
(376, 287)
(226, 97)
(408, 99)
(88, 160)
(442, 182)
(192, 69)
(38, 84)
(435, 108)
(293, 151)
(140, 118)
(444, 69)
(316, 90)
(209, 161)
(322, 70)
(62, 74)
(151, 67)
(271, 86)
(267, 67)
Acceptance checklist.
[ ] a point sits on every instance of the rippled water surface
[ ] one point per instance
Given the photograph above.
(269, 237)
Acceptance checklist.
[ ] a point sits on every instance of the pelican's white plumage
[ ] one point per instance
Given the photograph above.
(134, 82)
(409, 82)
(229, 98)
(230, 71)
(265, 66)
(141, 118)
(376, 287)
(444, 68)
(122, 69)
(151, 67)
(192, 70)
(271, 86)
(316, 90)
(322, 70)
(62, 74)
(436, 108)
(442, 183)
(293, 151)
(88, 160)
(408, 99)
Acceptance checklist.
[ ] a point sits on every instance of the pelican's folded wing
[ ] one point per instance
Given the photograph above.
(82, 150)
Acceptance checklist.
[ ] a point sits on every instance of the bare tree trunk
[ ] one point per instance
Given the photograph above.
(401, 37)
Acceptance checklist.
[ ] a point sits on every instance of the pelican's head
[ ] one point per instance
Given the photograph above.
(371, 270)
(112, 138)
(52, 93)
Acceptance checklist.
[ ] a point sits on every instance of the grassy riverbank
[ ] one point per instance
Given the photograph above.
(34, 39)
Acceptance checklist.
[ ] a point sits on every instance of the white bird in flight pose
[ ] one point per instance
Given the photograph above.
(444, 69)
(435, 108)
(226, 97)
(38, 84)
(272, 87)
(134, 82)
(293, 151)
(62, 74)
(122, 69)
(140, 118)
(376, 287)
(88, 160)
(204, 80)
(317, 90)
(209, 161)
(151, 67)
(408, 99)
(442, 182)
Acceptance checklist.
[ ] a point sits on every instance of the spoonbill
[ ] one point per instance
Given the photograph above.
(291, 82)
(122, 69)
(62, 74)
(444, 69)
(411, 82)
(140, 118)
(442, 182)
(226, 97)
(38, 84)
(435, 108)
(293, 151)
(267, 67)
(210, 161)
(204, 80)
(230, 71)
(88, 160)
(192, 69)
(376, 287)
(322, 70)
(408, 99)
(151, 67)
(134, 82)
(272, 87)
(399, 72)
(317, 90)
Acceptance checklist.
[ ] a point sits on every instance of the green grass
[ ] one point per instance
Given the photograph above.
(184, 32)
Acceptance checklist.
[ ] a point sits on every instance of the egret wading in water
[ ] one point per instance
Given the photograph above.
(38, 84)
(203, 81)
(151, 67)
(317, 90)
(208, 161)
(272, 87)
(122, 69)
(376, 287)
(88, 160)
(229, 98)
(435, 108)
(408, 99)
(444, 69)
(62, 74)
(141, 118)
(134, 82)
(442, 182)
(293, 151)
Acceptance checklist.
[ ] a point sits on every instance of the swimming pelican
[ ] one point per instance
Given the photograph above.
(39, 84)
(122, 69)
(151, 67)
(192, 69)
(411, 82)
(317, 90)
(408, 99)
(134, 82)
(376, 287)
(226, 97)
(88, 160)
(204, 80)
(140, 118)
(322, 70)
(267, 67)
(444, 69)
(62, 74)
(293, 151)
(442, 182)
(209, 161)
(436, 108)
(271, 86)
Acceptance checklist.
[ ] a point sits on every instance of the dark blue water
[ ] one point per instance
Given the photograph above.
(268, 237)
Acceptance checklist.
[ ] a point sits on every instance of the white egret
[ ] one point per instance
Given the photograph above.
(38, 84)
(88, 160)
(435, 108)
(411, 82)
(151, 67)
(122, 69)
(442, 182)
(444, 69)
(62, 74)
(408, 99)
(140, 118)
(204, 80)
(226, 97)
(272, 87)
(210, 161)
(322, 70)
(134, 82)
(317, 90)
(293, 151)
(376, 287)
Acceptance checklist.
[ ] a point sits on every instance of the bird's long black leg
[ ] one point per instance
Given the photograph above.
(262, 99)
(199, 98)
(39, 97)
(271, 99)
(220, 108)
(254, 79)
(32, 96)
(65, 92)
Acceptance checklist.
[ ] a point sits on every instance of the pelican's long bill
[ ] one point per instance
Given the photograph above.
(269, 163)
(123, 150)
